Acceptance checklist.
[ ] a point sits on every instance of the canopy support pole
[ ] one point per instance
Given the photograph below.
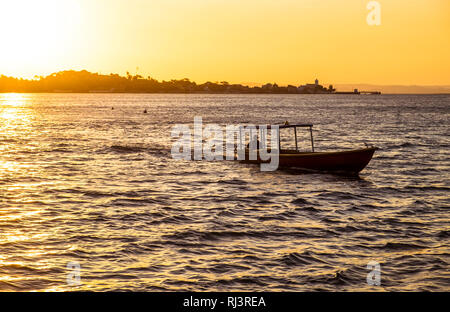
(279, 141)
(296, 144)
(312, 141)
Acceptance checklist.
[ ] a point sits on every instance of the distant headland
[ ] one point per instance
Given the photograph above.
(87, 82)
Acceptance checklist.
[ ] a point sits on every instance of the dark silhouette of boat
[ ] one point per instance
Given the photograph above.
(347, 162)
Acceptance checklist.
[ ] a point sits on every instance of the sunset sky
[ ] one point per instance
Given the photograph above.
(240, 41)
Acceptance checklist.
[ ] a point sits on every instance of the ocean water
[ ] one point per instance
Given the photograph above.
(84, 184)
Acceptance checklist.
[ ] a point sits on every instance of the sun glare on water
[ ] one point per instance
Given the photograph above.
(12, 99)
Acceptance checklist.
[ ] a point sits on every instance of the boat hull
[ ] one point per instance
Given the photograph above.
(352, 161)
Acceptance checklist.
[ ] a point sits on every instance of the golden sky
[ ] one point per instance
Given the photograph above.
(240, 41)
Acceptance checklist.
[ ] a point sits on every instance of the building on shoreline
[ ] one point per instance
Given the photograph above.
(313, 88)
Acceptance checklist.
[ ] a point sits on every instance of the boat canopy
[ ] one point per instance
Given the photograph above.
(295, 126)
(283, 126)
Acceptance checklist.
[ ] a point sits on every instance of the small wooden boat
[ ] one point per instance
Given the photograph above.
(349, 162)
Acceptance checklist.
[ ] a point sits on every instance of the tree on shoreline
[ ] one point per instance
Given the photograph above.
(84, 81)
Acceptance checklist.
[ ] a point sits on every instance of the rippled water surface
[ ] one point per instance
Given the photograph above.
(82, 182)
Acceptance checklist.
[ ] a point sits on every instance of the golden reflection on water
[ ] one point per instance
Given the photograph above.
(13, 99)
(14, 112)
(11, 107)
(16, 115)
(137, 220)
(8, 114)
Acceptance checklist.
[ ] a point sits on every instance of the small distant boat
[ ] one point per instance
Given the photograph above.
(348, 162)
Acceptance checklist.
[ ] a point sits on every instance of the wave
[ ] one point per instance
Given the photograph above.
(135, 201)
(444, 234)
(127, 149)
(233, 182)
(173, 220)
(222, 268)
(305, 258)
(338, 195)
(401, 246)
(279, 216)
(300, 202)
(155, 150)
(8, 286)
(218, 235)
(242, 281)
(428, 188)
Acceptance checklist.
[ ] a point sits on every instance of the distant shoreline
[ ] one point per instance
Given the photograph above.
(215, 93)
(71, 81)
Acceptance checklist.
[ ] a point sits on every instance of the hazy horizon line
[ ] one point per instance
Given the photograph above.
(384, 88)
